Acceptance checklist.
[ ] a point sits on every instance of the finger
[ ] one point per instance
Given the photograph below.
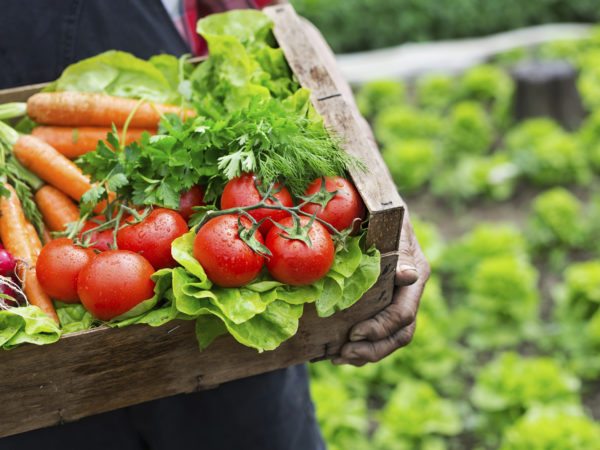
(407, 272)
(398, 314)
(360, 353)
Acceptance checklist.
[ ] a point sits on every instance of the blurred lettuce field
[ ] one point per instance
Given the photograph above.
(507, 349)
(355, 25)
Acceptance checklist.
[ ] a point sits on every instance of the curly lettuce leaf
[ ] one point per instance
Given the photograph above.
(265, 312)
(243, 62)
(73, 317)
(26, 324)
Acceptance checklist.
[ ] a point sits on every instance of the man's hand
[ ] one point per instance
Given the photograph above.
(394, 327)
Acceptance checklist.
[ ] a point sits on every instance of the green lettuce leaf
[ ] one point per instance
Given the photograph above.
(208, 327)
(182, 250)
(122, 74)
(26, 324)
(73, 317)
(265, 312)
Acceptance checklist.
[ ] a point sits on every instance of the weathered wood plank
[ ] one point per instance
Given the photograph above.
(20, 94)
(100, 370)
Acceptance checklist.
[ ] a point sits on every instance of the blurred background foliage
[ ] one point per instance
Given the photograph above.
(355, 25)
(507, 348)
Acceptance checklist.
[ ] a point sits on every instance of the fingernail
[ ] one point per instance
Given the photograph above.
(407, 269)
(338, 361)
(357, 336)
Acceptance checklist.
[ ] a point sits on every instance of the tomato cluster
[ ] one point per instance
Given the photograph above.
(108, 281)
(111, 279)
(229, 261)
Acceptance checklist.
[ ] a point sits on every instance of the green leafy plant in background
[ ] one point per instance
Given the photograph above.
(430, 239)
(493, 87)
(587, 84)
(341, 412)
(577, 314)
(546, 155)
(435, 91)
(405, 122)
(507, 387)
(468, 131)
(377, 95)
(501, 305)
(560, 428)
(416, 417)
(446, 132)
(589, 138)
(494, 287)
(556, 223)
(489, 177)
(485, 240)
(411, 162)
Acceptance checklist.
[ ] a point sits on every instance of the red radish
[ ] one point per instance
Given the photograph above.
(6, 289)
(7, 263)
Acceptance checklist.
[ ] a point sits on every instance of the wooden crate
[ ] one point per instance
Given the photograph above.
(102, 369)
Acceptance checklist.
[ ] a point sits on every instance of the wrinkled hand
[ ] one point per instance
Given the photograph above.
(394, 327)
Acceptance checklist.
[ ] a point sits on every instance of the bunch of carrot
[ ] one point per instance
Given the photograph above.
(72, 124)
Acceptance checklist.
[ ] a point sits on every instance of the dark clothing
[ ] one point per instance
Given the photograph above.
(265, 412)
(38, 39)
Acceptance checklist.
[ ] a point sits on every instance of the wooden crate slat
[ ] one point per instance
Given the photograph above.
(20, 94)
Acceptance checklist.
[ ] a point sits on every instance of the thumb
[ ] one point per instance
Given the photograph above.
(406, 272)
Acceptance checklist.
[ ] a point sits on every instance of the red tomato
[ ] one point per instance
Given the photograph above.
(102, 240)
(153, 236)
(113, 282)
(226, 259)
(241, 191)
(58, 267)
(341, 209)
(293, 262)
(193, 197)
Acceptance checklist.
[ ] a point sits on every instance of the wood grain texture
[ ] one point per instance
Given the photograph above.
(99, 370)
(20, 94)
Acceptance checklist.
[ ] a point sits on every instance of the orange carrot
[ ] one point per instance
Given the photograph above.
(35, 243)
(87, 109)
(47, 237)
(73, 142)
(15, 236)
(57, 208)
(36, 295)
(53, 167)
(13, 226)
